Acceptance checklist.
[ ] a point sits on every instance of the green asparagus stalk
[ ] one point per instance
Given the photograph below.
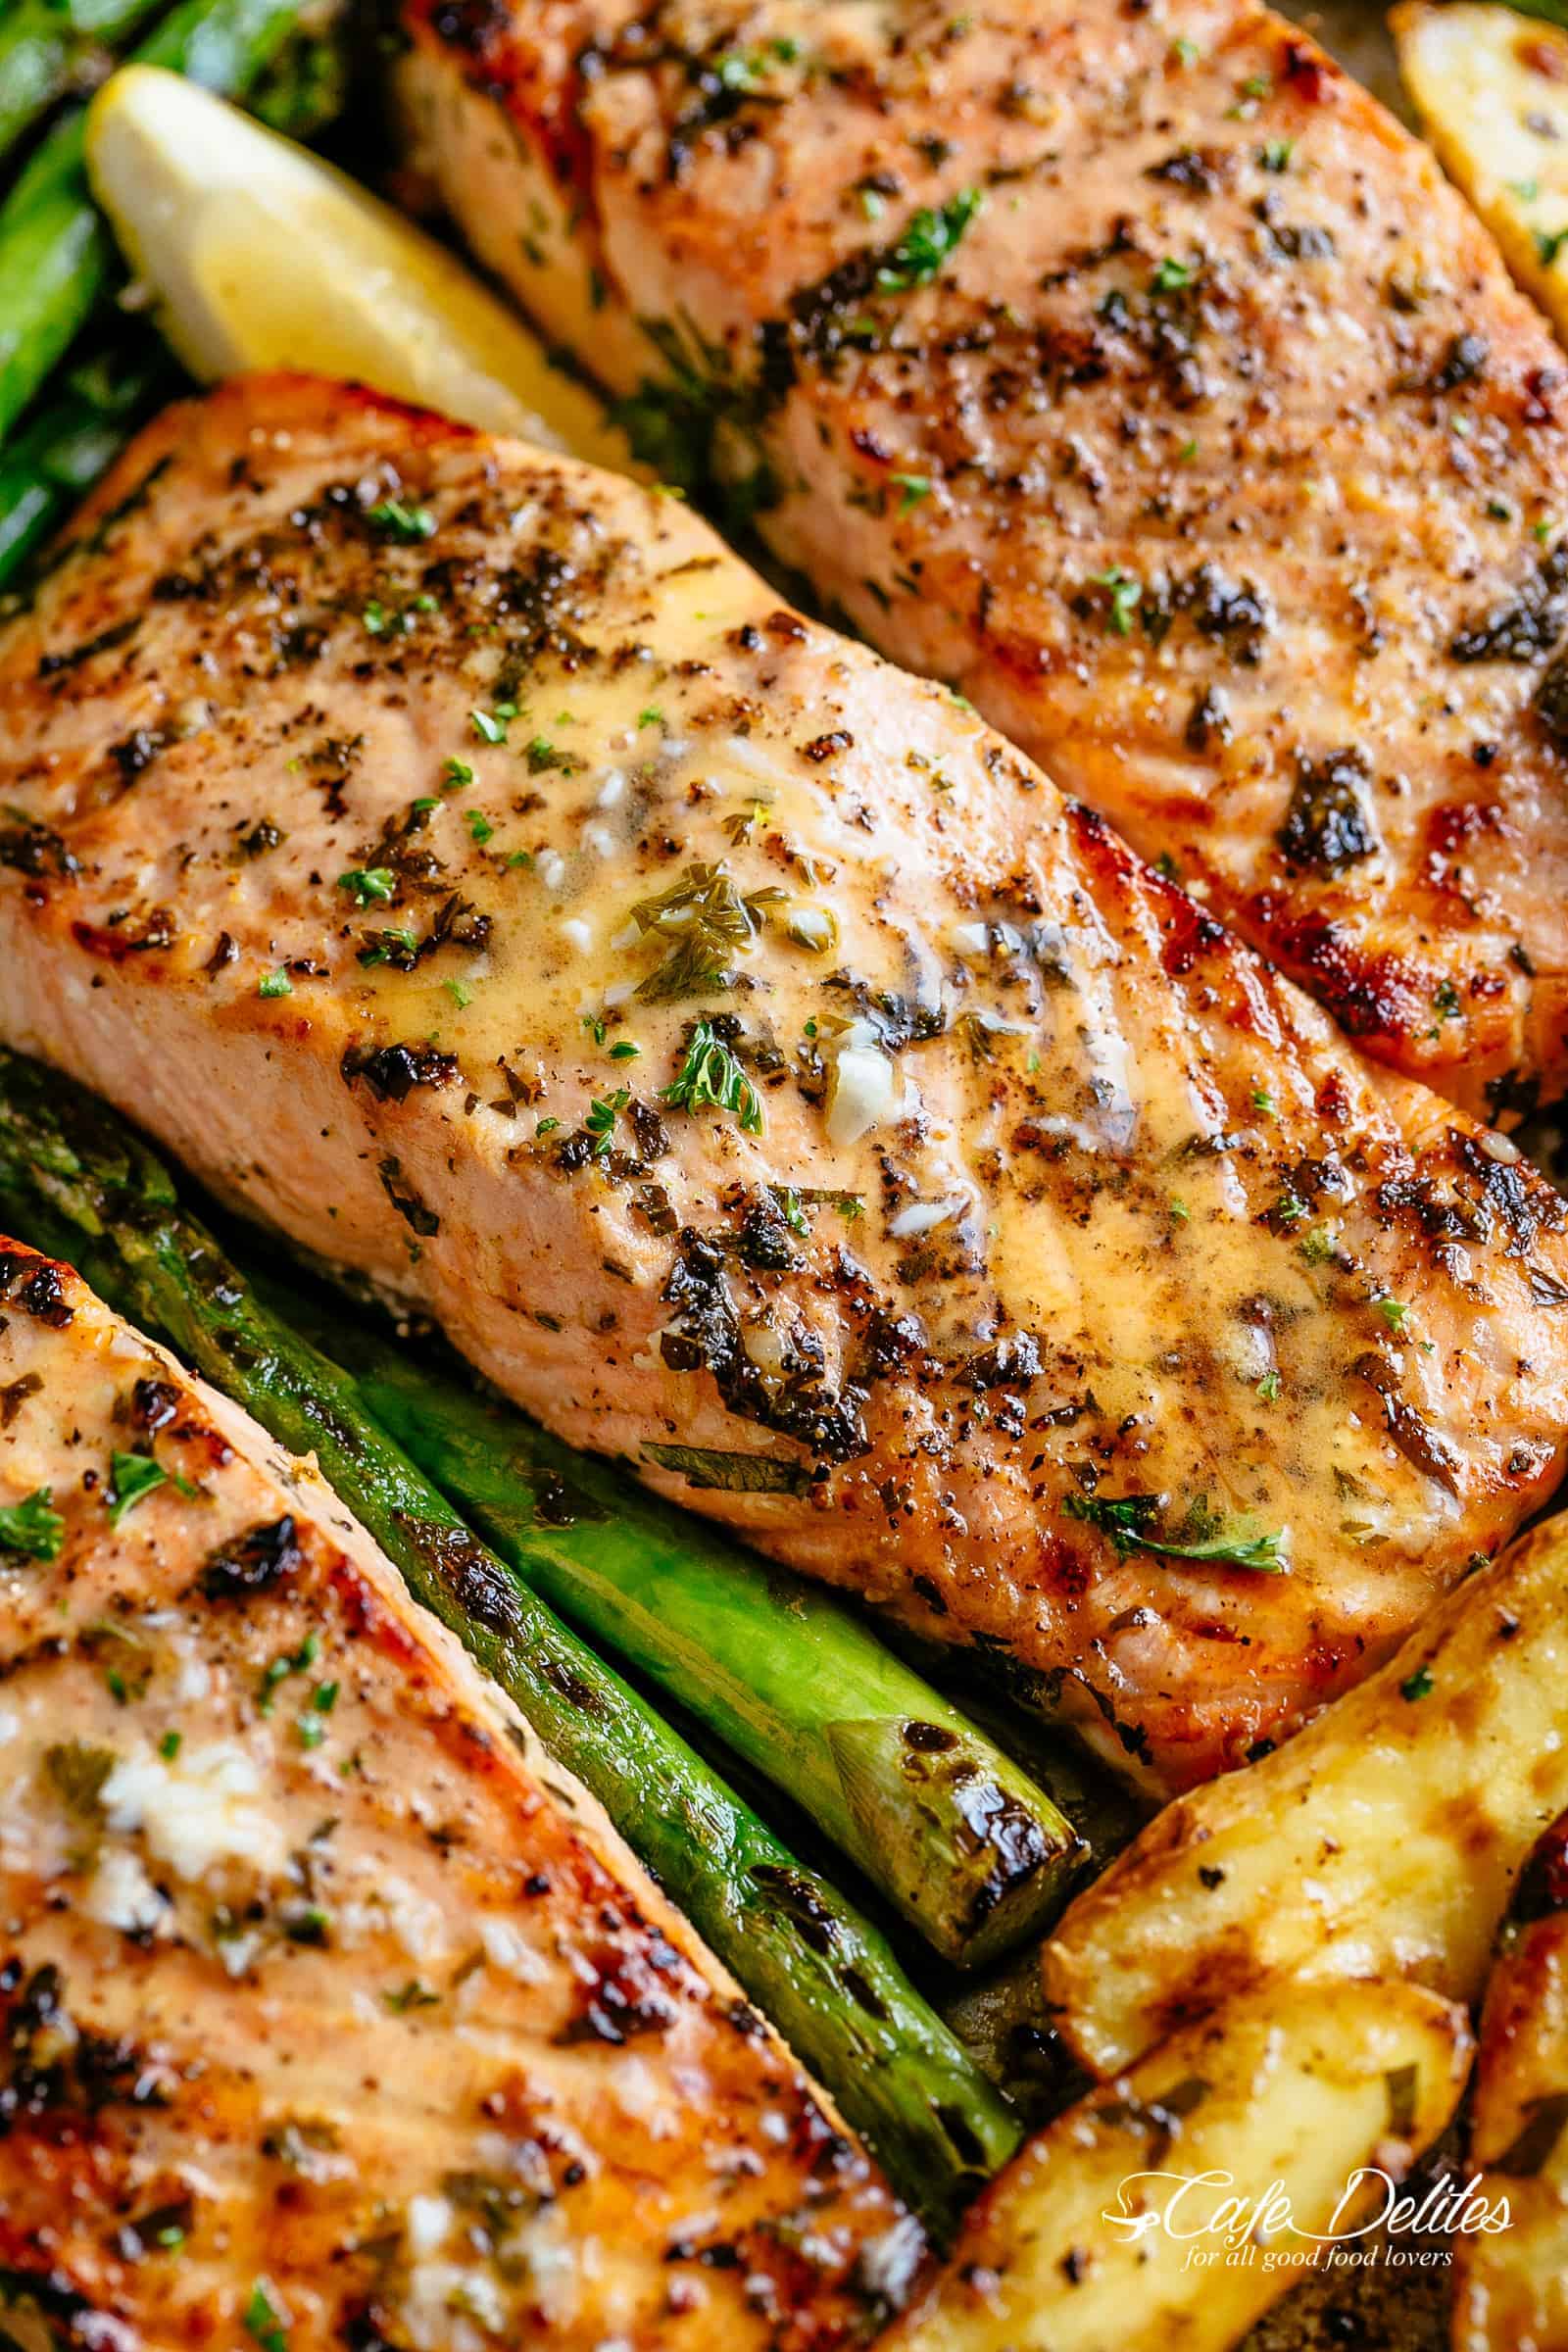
(970, 1849)
(44, 47)
(75, 1179)
(57, 257)
(56, 458)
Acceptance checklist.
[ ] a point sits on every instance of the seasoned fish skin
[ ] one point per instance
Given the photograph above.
(1215, 458)
(316, 1970)
(759, 1069)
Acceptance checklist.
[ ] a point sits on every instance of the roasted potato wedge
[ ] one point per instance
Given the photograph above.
(1078, 2245)
(1491, 88)
(1382, 1840)
(1511, 2285)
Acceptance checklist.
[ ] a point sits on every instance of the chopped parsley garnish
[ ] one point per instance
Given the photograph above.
(1125, 596)
(653, 716)
(1445, 1000)
(412, 1995)
(1170, 276)
(276, 984)
(395, 947)
(491, 727)
(456, 776)
(32, 1528)
(710, 1077)
(1394, 1313)
(1549, 243)
(594, 1023)
(368, 882)
(1417, 1685)
(1319, 1245)
(1129, 1521)
(407, 524)
(932, 236)
(462, 995)
(1269, 1387)
(913, 487)
(1264, 1103)
(1276, 155)
(279, 1669)
(264, 2322)
(624, 1049)
(168, 1745)
(479, 826)
(131, 1476)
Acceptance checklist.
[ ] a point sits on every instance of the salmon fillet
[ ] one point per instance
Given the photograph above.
(1129, 368)
(329, 2005)
(463, 863)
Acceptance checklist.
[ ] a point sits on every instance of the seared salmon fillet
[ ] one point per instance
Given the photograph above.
(1129, 368)
(332, 2010)
(463, 862)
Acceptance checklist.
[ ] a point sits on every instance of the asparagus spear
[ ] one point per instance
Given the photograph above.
(75, 1178)
(44, 45)
(56, 253)
(56, 459)
(972, 1851)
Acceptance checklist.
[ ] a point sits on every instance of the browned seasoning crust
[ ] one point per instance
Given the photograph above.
(1131, 369)
(329, 2004)
(760, 1069)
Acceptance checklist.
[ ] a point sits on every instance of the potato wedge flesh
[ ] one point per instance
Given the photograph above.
(1298, 2086)
(1382, 1840)
(1491, 88)
(1511, 2291)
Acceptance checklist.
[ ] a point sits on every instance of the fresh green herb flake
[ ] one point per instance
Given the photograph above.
(1417, 1685)
(711, 1076)
(1131, 1523)
(481, 828)
(408, 526)
(132, 1477)
(31, 1526)
(930, 240)
(367, 883)
(276, 984)
(412, 1995)
(264, 2322)
(1125, 596)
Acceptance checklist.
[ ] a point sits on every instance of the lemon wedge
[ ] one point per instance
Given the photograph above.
(259, 255)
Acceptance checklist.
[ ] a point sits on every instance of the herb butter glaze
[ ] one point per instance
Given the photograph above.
(763, 1074)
